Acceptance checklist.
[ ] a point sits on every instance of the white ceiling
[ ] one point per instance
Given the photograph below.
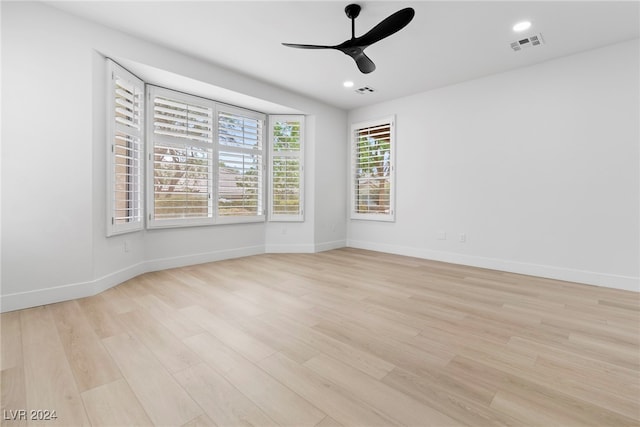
(446, 43)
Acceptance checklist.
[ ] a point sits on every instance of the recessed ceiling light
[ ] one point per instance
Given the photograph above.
(348, 83)
(522, 26)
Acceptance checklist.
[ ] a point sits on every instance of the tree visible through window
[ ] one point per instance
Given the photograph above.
(372, 168)
(286, 168)
(207, 161)
(182, 158)
(239, 164)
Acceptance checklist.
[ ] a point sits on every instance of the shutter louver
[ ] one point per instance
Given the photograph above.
(182, 182)
(286, 168)
(125, 138)
(240, 182)
(372, 169)
(182, 120)
(286, 186)
(128, 102)
(237, 131)
(127, 179)
(182, 158)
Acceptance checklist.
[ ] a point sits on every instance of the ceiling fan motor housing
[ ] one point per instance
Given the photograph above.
(352, 11)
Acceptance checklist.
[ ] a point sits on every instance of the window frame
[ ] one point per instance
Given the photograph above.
(152, 221)
(114, 228)
(242, 112)
(216, 148)
(299, 155)
(355, 127)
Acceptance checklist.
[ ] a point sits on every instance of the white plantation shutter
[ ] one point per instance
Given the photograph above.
(372, 170)
(240, 184)
(125, 130)
(182, 120)
(286, 135)
(181, 153)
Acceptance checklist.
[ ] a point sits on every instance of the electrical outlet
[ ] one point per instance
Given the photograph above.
(442, 235)
(127, 246)
(462, 238)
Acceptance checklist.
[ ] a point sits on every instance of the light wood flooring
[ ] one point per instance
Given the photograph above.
(345, 337)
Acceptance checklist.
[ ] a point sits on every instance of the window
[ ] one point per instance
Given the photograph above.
(372, 170)
(180, 159)
(205, 161)
(286, 156)
(125, 133)
(240, 170)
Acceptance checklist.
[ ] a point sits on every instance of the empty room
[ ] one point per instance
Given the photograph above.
(320, 213)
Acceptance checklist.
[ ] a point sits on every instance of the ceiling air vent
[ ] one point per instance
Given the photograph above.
(531, 41)
(365, 89)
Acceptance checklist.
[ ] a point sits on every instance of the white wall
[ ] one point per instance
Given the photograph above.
(53, 163)
(539, 167)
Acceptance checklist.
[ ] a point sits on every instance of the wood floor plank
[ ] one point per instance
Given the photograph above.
(292, 347)
(328, 422)
(353, 356)
(449, 395)
(119, 301)
(11, 340)
(49, 382)
(327, 396)
(201, 421)
(277, 401)
(393, 351)
(570, 408)
(227, 303)
(13, 396)
(173, 320)
(164, 401)
(394, 404)
(101, 315)
(90, 363)
(165, 346)
(222, 402)
(114, 404)
(235, 338)
(213, 352)
(333, 308)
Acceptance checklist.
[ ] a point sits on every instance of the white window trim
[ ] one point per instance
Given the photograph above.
(152, 222)
(235, 219)
(273, 217)
(112, 228)
(215, 219)
(390, 217)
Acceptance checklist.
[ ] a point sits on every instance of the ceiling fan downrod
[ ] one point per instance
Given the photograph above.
(352, 11)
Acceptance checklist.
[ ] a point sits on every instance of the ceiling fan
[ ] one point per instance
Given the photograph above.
(355, 46)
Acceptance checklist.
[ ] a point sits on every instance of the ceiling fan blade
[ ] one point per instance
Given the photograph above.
(365, 65)
(388, 26)
(307, 46)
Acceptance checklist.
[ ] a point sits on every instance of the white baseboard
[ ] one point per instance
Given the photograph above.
(607, 280)
(304, 248)
(289, 248)
(182, 261)
(20, 300)
(327, 246)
